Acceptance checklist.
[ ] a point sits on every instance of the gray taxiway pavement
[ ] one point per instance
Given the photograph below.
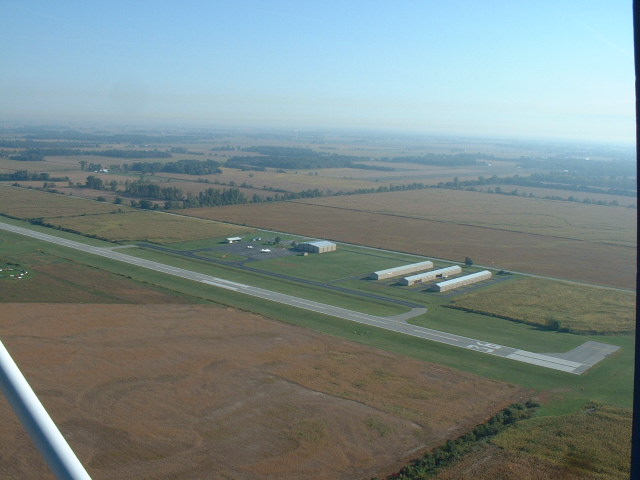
(575, 361)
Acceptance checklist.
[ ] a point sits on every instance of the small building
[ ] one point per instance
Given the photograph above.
(233, 239)
(318, 246)
(403, 270)
(432, 275)
(461, 281)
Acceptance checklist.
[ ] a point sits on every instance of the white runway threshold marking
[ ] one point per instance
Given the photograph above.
(395, 323)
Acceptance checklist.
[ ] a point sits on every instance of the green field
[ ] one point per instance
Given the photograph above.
(333, 266)
(576, 308)
(317, 294)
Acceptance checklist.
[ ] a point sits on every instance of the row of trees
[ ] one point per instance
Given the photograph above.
(25, 176)
(624, 186)
(458, 159)
(296, 158)
(438, 458)
(189, 167)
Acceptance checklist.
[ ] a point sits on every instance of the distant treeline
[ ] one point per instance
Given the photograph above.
(189, 167)
(458, 159)
(296, 158)
(625, 186)
(38, 154)
(31, 144)
(132, 138)
(24, 175)
(582, 166)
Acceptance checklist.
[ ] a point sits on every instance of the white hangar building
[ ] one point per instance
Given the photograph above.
(425, 277)
(403, 270)
(461, 281)
(319, 246)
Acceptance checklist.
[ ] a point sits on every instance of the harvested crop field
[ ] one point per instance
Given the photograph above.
(184, 391)
(27, 203)
(553, 218)
(613, 265)
(146, 225)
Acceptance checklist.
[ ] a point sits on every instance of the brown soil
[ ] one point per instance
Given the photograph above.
(613, 265)
(193, 391)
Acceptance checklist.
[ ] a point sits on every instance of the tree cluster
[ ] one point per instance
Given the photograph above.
(38, 154)
(295, 158)
(189, 167)
(458, 159)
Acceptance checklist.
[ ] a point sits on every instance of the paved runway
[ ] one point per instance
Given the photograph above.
(576, 361)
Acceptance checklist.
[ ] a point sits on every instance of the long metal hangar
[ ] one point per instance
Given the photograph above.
(403, 270)
(319, 246)
(432, 275)
(461, 281)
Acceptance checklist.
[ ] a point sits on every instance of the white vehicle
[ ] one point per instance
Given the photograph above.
(249, 246)
(265, 250)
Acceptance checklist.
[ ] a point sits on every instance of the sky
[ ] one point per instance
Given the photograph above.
(559, 69)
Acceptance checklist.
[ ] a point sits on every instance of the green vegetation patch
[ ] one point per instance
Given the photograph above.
(329, 266)
(594, 442)
(556, 306)
(318, 294)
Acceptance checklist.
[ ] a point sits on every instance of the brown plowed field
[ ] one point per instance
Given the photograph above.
(202, 392)
(612, 265)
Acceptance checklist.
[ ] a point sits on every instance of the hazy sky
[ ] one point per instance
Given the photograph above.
(543, 68)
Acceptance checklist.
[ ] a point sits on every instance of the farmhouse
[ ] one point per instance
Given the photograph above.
(319, 246)
(403, 270)
(461, 281)
(233, 239)
(425, 277)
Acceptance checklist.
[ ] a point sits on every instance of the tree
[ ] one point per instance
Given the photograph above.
(468, 262)
(94, 182)
(553, 323)
(277, 240)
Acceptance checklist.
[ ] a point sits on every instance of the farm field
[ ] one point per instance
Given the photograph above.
(161, 390)
(556, 257)
(149, 226)
(116, 223)
(27, 204)
(610, 381)
(552, 218)
(575, 307)
(407, 173)
(292, 375)
(537, 449)
(540, 192)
